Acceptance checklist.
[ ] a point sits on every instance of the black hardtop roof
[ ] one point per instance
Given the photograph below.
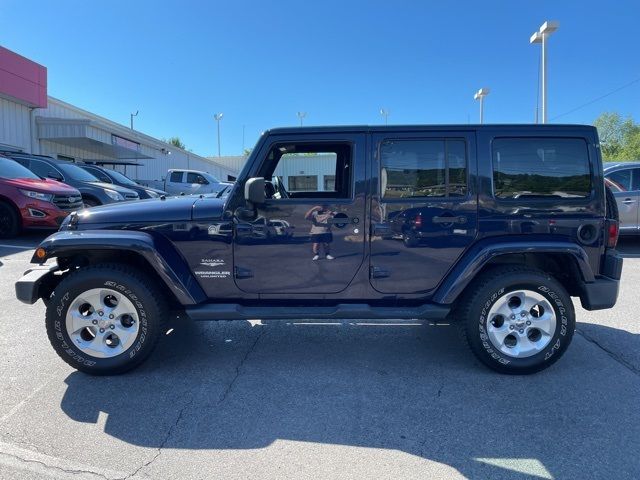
(452, 127)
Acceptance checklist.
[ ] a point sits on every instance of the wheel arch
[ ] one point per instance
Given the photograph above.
(15, 208)
(154, 255)
(566, 262)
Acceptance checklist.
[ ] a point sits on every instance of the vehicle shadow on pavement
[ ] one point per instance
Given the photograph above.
(408, 387)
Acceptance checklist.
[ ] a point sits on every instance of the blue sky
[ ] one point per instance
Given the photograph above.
(341, 61)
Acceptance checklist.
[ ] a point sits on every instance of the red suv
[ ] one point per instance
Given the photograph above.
(28, 201)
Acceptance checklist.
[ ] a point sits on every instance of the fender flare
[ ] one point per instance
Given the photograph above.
(477, 257)
(158, 252)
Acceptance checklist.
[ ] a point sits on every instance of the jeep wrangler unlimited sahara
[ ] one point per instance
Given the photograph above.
(493, 227)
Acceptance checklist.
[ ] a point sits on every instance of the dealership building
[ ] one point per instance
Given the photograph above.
(33, 122)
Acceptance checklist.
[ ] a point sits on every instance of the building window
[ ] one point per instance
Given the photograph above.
(66, 158)
(303, 183)
(423, 168)
(329, 183)
(540, 168)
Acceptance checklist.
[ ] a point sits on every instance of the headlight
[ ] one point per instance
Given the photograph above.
(114, 195)
(152, 194)
(47, 197)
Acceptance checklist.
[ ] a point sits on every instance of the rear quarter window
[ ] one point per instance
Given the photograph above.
(535, 168)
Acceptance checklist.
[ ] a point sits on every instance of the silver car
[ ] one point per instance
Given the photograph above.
(624, 180)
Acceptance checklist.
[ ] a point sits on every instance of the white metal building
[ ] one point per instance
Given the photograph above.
(32, 122)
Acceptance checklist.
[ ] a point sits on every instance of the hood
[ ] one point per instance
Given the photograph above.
(42, 185)
(110, 186)
(155, 210)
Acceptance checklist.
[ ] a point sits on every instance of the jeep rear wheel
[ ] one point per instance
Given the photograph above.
(105, 319)
(517, 320)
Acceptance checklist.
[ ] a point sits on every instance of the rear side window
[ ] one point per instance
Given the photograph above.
(176, 177)
(423, 168)
(541, 168)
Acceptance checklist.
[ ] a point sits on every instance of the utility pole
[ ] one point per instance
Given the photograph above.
(385, 114)
(133, 115)
(218, 117)
(480, 94)
(301, 116)
(541, 36)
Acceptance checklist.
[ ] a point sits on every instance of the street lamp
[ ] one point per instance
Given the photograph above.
(133, 115)
(301, 116)
(385, 114)
(541, 36)
(218, 117)
(480, 94)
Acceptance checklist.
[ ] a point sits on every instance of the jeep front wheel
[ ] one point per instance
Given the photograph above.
(517, 320)
(105, 319)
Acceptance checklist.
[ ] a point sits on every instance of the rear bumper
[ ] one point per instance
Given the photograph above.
(603, 292)
(29, 287)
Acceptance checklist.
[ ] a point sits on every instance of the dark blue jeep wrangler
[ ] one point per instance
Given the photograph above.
(492, 227)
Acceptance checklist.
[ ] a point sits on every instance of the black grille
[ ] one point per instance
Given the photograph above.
(131, 196)
(68, 202)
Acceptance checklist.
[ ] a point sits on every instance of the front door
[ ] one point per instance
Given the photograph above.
(424, 212)
(308, 237)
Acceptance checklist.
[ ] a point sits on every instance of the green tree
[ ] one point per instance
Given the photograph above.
(176, 142)
(619, 137)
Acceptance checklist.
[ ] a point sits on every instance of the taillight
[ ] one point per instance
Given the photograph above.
(612, 233)
(418, 221)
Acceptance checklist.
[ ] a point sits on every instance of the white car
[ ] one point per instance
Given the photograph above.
(192, 181)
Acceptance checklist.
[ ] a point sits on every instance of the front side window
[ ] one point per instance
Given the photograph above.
(423, 168)
(309, 170)
(196, 178)
(103, 177)
(541, 168)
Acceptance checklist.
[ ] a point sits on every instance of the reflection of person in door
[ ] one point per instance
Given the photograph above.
(320, 217)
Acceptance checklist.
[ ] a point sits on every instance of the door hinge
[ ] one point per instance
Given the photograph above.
(240, 272)
(379, 272)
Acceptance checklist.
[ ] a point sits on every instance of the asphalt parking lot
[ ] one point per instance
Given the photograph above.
(315, 400)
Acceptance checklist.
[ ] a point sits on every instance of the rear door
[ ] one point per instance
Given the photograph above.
(424, 208)
(625, 184)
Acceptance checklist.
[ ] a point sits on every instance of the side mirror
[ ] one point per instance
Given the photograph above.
(54, 176)
(254, 191)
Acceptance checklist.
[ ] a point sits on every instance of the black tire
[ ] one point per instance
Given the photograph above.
(9, 221)
(492, 286)
(90, 202)
(612, 205)
(150, 307)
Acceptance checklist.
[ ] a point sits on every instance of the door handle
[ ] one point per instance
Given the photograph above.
(459, 220)
(628, 201)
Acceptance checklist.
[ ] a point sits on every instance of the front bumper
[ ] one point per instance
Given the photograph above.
(30, 287)
(603, 292)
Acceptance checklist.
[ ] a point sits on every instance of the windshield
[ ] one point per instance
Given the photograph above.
(76, 173)
(120, 178)
(11, 169)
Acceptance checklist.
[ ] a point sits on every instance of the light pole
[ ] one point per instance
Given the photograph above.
(301, 116)
(133, 115)
(541, 36)
(480, 94)
(218, 117)
(385, 114)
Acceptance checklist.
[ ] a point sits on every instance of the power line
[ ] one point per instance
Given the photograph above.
(590, 102)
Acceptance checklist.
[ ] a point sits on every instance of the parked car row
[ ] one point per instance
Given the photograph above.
(38, 191)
